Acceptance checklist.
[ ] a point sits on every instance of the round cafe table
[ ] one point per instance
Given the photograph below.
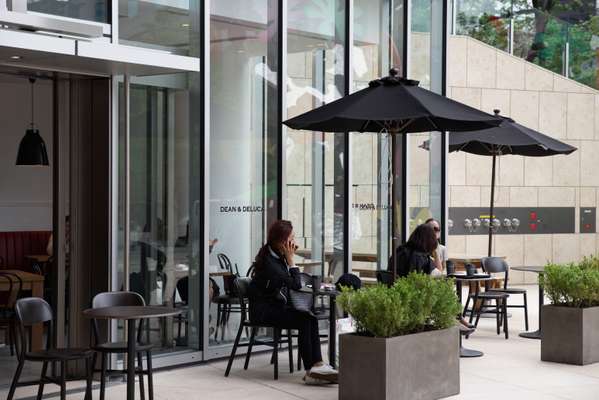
(130, 314)
(537, 269)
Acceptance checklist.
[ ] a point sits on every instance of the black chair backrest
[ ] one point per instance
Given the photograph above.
(183, 289)
(115, 299)
(385, 277)
(494, 265)
(349, 280)
(225, 263)
(242, 287)
(31, 311)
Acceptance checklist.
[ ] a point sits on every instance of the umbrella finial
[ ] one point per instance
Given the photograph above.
(497, 111)
(393, 72)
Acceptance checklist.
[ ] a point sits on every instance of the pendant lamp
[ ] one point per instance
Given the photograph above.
(32, 149)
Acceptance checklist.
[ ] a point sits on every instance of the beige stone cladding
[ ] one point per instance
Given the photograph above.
(487, 78)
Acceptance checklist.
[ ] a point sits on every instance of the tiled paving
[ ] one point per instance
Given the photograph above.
(510, 369)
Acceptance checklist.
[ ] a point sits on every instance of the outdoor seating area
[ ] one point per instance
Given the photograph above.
(509, 369)
(299, 199)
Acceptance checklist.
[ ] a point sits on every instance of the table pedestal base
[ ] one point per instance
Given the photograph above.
(531, 335)
(468, 353)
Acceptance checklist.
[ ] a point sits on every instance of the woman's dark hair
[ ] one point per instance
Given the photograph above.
(428, 221)
(278, 232)
(423, 239)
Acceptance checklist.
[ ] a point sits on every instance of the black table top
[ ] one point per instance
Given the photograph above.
(530, 268)
(471, 278)
(130, 312)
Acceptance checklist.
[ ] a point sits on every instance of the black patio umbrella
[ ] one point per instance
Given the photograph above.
(507, 138)
(395, 105)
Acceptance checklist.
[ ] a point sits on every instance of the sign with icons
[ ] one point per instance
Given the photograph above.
(519, 220)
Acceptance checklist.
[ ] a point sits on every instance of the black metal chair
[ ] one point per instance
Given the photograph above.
(117, 299)
(242, 285)
(493, 265)
(384, 277)
(8, 299)
(479, 306)
(31, 311)
(183, 305)
(227, 302)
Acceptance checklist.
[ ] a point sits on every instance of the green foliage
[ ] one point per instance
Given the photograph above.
(413, 304)
(573, 285)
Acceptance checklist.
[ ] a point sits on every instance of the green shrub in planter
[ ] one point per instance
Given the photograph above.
(573, 285)
(405, 335)
(571, 322)
(416, 303)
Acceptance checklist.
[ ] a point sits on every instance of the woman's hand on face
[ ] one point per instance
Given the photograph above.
(289, 251)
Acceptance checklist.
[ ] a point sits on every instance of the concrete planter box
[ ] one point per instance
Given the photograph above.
(570, 335)
(422, 366)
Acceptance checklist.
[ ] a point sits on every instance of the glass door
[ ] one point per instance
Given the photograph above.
(158, 206)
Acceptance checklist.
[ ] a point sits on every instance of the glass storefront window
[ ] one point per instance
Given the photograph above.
(170, 26)
(240, 80)
(314, 167)
(97, 10)
(376, 50)
(425, 149)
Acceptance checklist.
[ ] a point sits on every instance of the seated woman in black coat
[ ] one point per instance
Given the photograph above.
(417, 254)
(274, 273)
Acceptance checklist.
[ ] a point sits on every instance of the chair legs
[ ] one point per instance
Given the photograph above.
(290, 349)
(63, 383)
(250, 345)
(89, 364)
(103, 376)
(525, 312)
(150, 375)
(15, 380)
(505, 329)
(40, 389)
(218, 311)
(234, 350)
(500, 315)
(275, 351)
(142, 391)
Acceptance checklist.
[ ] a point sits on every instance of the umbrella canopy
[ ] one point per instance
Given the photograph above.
(507, 138)
(395, 105)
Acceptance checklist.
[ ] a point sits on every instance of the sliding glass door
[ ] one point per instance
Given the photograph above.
(163, 265)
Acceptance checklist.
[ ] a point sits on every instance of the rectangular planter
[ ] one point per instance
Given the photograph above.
(570, 335)
(422, 366)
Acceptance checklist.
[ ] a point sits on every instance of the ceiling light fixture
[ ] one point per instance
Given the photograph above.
(32, 149)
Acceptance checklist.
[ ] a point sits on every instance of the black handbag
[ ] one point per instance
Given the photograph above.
(301, 300)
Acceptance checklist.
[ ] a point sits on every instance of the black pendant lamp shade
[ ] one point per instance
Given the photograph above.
(32, 149)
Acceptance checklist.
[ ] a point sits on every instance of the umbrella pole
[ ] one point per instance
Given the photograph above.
(392, 133)
(491, 206)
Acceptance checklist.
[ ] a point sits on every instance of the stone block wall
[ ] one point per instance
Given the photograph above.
(486, 78)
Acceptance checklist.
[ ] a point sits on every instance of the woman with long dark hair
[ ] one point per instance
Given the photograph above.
(274, 274)
(417, 253)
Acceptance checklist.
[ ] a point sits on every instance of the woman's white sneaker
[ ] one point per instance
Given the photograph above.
(325, 372)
